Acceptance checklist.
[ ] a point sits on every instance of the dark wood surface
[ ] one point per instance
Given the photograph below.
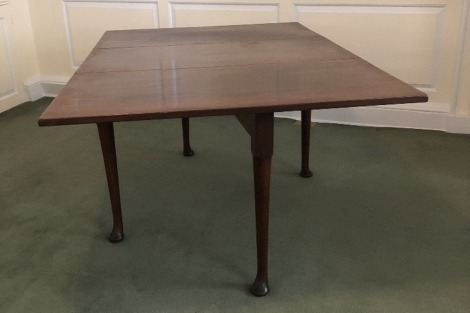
(108, 148)
(186, 72)
(306, 122)
(187, 151)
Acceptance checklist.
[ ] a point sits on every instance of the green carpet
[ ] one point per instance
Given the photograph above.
(383, 226)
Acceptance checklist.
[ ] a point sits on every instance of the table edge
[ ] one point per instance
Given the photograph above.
(232, 111)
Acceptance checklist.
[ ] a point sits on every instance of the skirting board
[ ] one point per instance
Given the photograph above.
(371, 116)
(44, 87)
(383, 117)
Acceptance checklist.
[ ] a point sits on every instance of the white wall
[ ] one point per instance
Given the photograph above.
(424, 42)
(18, 61)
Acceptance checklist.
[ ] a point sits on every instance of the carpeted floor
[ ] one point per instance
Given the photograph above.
(383, 226)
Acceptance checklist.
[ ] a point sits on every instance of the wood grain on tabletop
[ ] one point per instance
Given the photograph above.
(169, 73)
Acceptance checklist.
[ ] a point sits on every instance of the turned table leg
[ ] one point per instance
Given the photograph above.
(106, 133)
(187, 151)
(262, 177)
(306, 125)
(261, 128)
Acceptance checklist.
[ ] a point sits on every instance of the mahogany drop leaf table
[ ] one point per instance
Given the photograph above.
(250, 71)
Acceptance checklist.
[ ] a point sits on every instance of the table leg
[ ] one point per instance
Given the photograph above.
(306, 125)
(261, 129)
(187, 151)
(108, 147)
(262, 177)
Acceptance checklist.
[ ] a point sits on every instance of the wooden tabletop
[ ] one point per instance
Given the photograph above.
(222, 70)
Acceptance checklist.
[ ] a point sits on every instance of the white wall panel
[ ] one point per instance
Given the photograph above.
(386, 36)
(462, 87)
(86, 21)
(7, 77)
(209, 14)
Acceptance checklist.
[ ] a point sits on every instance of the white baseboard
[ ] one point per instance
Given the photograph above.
(51, 88)
(384, 117)
(428, 116)
(34, 91)
(458, 124)
(44, 87)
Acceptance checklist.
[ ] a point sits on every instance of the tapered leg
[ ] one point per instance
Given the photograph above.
(187, 151)
(106, 132)
(262, 177)
(261, 129)
(306, 124)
